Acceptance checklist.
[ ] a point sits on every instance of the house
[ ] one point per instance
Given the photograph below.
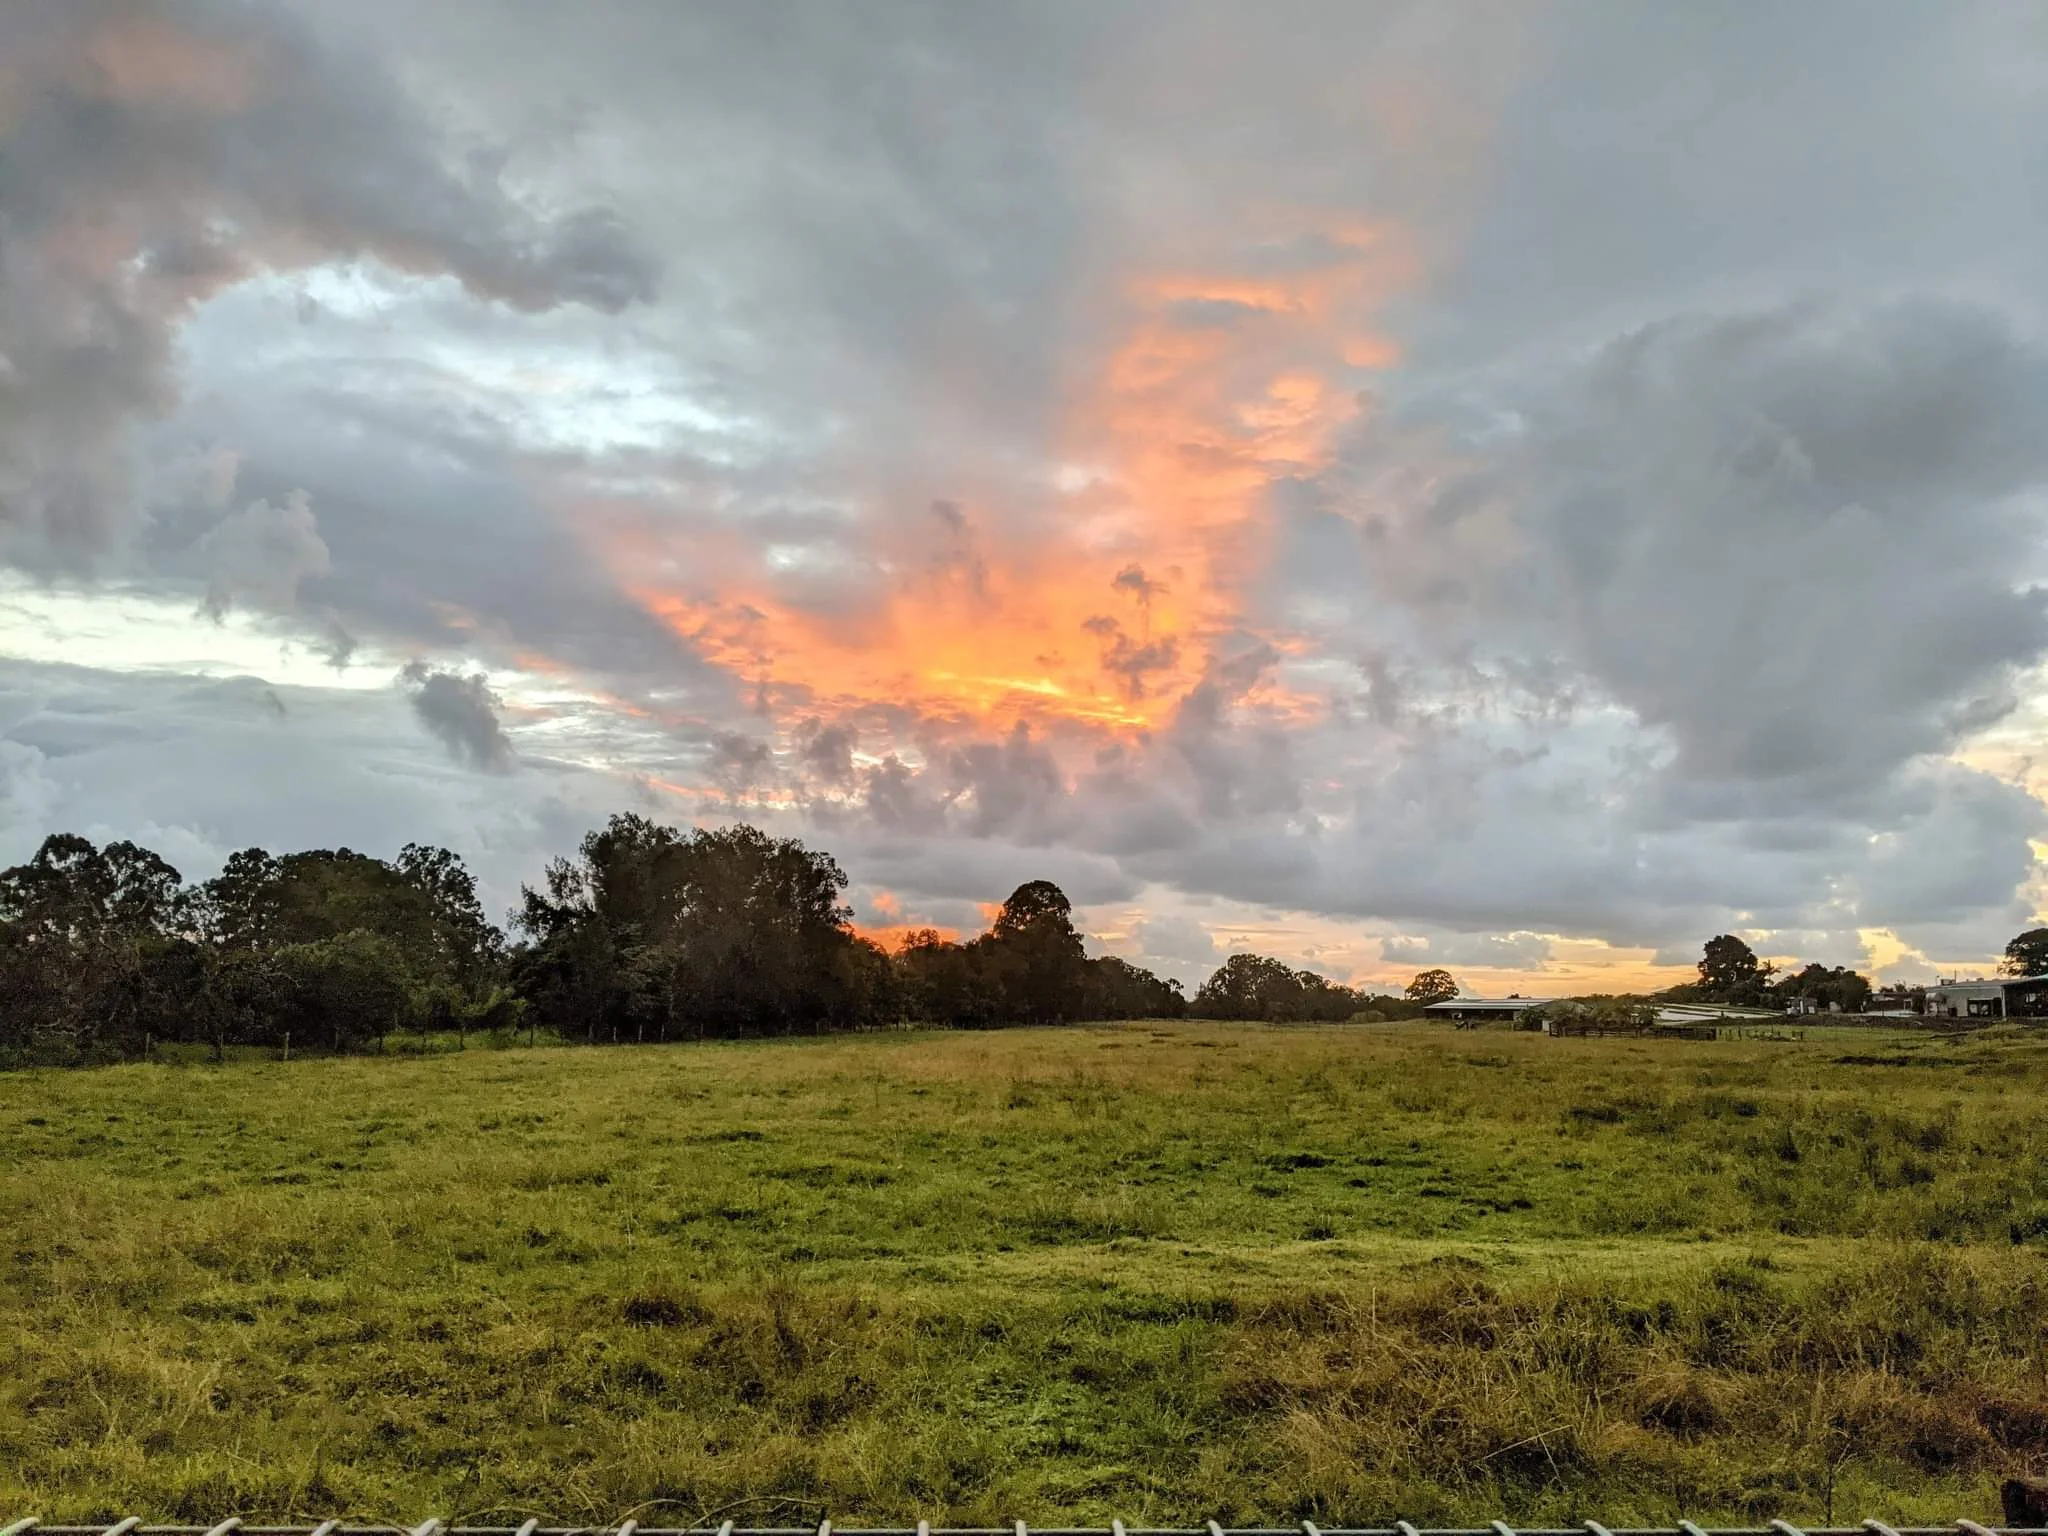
(2013, 997)
(1484, 1010)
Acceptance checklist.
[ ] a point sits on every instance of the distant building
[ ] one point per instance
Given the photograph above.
(1714, 1013)
(2015, 997)
(1484, 1010)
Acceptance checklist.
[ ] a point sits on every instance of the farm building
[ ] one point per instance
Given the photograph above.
(1714, 1013)
(2012, 997)
(1484, 1010)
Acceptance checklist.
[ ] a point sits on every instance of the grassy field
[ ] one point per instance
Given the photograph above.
(1165, 1273)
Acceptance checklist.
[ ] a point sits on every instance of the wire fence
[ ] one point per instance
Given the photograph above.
(133, 1526)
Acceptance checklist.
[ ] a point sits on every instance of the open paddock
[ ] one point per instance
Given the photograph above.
(1162, 1272)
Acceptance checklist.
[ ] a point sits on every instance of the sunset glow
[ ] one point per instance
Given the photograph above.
(1097, 605)
(1395, 487)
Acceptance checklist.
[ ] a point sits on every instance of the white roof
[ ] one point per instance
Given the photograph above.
(1512, 1003)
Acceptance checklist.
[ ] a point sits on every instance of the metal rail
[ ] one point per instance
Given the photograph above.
(133, 1526)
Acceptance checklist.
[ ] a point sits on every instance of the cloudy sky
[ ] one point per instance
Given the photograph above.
(1517, 486)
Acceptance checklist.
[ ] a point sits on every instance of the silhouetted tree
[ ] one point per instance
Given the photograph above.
(1259, 987)
(1729, 967)
(1116, 989)
(1433, 986)
(1036, 957)
(466, 945)
(102, 950)
(71, 891)
(328, 916)
(654, 932)
(944, 982)
(1244, 987)
(2027, 954)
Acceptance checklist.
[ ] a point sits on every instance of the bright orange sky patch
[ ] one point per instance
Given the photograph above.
(1097, 605)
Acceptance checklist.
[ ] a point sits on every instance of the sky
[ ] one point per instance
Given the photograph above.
(1519, 486)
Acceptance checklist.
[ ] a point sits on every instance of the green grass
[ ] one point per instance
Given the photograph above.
(1162, 1272)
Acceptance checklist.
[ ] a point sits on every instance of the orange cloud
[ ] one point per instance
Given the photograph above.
(1099, 601)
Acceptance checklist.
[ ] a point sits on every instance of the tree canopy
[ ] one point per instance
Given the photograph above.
(104, 949)
(1432, 986)
(1728, 963)
(1834, 988)
(652, 933)
(1259, 987)
(2027, 954)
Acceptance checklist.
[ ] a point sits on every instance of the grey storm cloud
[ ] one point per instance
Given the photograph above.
(1013, 787)
(1513, 951)
(738, 761)
(1798, 540)
(157, 154)
(261, 554)
(827, 751)
(897, 801)
(1236, 772)
(462, 714)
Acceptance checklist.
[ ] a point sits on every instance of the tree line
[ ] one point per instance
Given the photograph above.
(648, 933)
(1730, 972)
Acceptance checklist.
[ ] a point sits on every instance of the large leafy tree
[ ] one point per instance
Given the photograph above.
(592, 962)
(348, 947)
(465, 944)
(73, 891)
(422, 908)
(345, 990)
(652, 932)
(1036, 955)
(1247, 987)
(1432, 986)
(94, 949)
(1729, 967)
(759, 933)
(2027, 954)
(1260, 987)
